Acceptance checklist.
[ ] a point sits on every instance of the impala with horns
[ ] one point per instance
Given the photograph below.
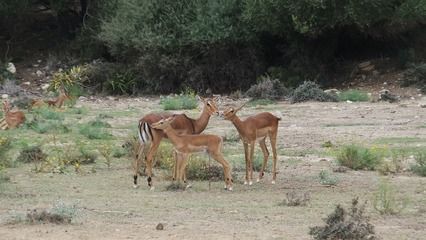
(252, 129)
(181, 123)
(58, 102)
(12, 119)
(186, 144)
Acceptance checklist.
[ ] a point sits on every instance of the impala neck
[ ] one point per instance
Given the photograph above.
(201, 123)
(171, 135)
(238, 124)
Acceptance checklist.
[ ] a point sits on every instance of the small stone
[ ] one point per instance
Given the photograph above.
(26, 83)
(159, 226)
(45, 86)
(36, 65)
(11, 68)
(39, 73)
(385, 83)
(422, 105)
(39, 61)
(4, 96)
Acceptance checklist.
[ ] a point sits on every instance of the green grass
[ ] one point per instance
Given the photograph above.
(419, 167)
(46, 126)
(94, 132)
(354, 96)
(183, 101)
(359, 158)
(99, 123)
(257, 102)
(396, 140)
(48, 114)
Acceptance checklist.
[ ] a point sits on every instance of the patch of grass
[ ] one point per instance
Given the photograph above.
(5, 146)
(48, 114)
(396, 140)
(45, 126)
(61, 213)
(358, 157)
(79, 111)
(176, 186)
(419, 167)
(354, 96)
(183, 101)
(326, 178)
(345, 224)
(310, 91)
(94, 132)
(106, 152)
(99, 123)
(257, 102)
(231, 136)
(104, 116)
(118, 152)
(385, 201)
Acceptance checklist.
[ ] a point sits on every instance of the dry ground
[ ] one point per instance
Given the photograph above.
(109, 208)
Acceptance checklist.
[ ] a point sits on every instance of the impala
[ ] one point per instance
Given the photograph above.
(252, 129)
(12, 119)
(181, 123)
(186, 144)
(58, 102)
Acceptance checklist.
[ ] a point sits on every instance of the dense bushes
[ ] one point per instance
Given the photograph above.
(310, 91)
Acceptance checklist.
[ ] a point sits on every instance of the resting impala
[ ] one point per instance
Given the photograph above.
(252, 129)
(186, 144)
(181, 123)
(58, 102)
(11, 119)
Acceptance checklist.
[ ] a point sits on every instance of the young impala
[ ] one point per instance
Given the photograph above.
(186, 144)
(181, 123)
(252, 129)
(11, 119)
(58, 102)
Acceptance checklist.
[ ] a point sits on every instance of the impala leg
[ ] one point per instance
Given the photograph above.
(226, 169)
(182, 159)
(262, 144)
(246, 155)
(149, 159)
(273, 138)
(184, 162)
(175, 166)
(250, 163)
(137, 164)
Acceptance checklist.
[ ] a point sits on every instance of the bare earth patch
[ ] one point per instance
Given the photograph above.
(109, 208)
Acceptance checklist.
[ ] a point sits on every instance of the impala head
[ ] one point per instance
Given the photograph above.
(229, 113)
(6, 106)
(163, 123)
(210, 104)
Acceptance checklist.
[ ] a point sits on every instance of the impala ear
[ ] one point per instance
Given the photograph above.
(238, 109)
(201, 98)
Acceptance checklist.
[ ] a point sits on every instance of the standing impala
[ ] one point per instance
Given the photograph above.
(11, 119)
(186, 144)
(252, 129)
(181, 123)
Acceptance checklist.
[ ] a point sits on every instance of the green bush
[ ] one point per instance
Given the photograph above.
(310, 91)
(357, 157)
(94, 132)
(416, 75)
(326, 178)
(48, 113)
(183, 101)
(31, 154)
(46, 126)
(354, 96)
(420, 166)
(99, 123)
(385, 201)
(5, 145)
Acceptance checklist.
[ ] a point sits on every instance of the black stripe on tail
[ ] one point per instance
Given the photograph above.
(145, 134)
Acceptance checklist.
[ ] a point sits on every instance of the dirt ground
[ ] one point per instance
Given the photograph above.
(109, 207)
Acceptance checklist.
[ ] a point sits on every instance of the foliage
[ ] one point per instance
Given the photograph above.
(61, 213)
(354, 96)
(31, 154)
(106, 152)
(258, 102)
(46, 126)
(47, 113)
(182, 101)
(416, 75)
(344, 224)
(310, 91)
(326, 178)
(94, 132)
(358, 157)
(420, 166)
(99, 123)
(70, 80)
(5, 144)
(267, 88)
(231, 136)
(385, 201)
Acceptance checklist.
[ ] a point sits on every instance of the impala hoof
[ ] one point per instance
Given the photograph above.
(135, 186)
(152, 188)
(250, 183)
(188, 186)
(230, 189)
(245, 182)
(273, 182)
(258, 180)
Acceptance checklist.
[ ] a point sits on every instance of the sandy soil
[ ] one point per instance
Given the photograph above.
(109, 208)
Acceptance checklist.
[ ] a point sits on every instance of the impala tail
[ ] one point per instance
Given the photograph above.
(145, 132)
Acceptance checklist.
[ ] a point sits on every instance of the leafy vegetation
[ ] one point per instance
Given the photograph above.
(182, 101)
(267, 88)
(416, 75)
(31, 154)
(326, 178)
(358, 157)
(385, 201)
(310, 91)
(420, 166)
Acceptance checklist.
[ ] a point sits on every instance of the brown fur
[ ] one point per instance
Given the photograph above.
(252, 129)
(58, 102)
(13, 118)
(181, 123)
(186, 144)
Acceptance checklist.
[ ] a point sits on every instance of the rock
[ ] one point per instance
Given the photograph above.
(45, 86)
(376, 73)
(332, 91)
(422, 105)
(82, 98)
(4, 96)
(159, 226)
(11, 68)
(366, 66)
(386, 95)
(39, 61)
(348, 101)
(26, 83)
(36, 65)
(39, 73)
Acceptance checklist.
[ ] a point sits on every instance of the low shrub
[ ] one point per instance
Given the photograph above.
(326, 178)
(294, 199)
(5, 146)
(47, 113)
(416, 75)
(268, 88)
(310, 91)
(99, 123)
(94, 132)
(385, 201)
(343, 224)
(31, 154)
(354, 96)
(45, 126)
(358, 158)
(60, 214)
(420, 166)
(257, 102)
